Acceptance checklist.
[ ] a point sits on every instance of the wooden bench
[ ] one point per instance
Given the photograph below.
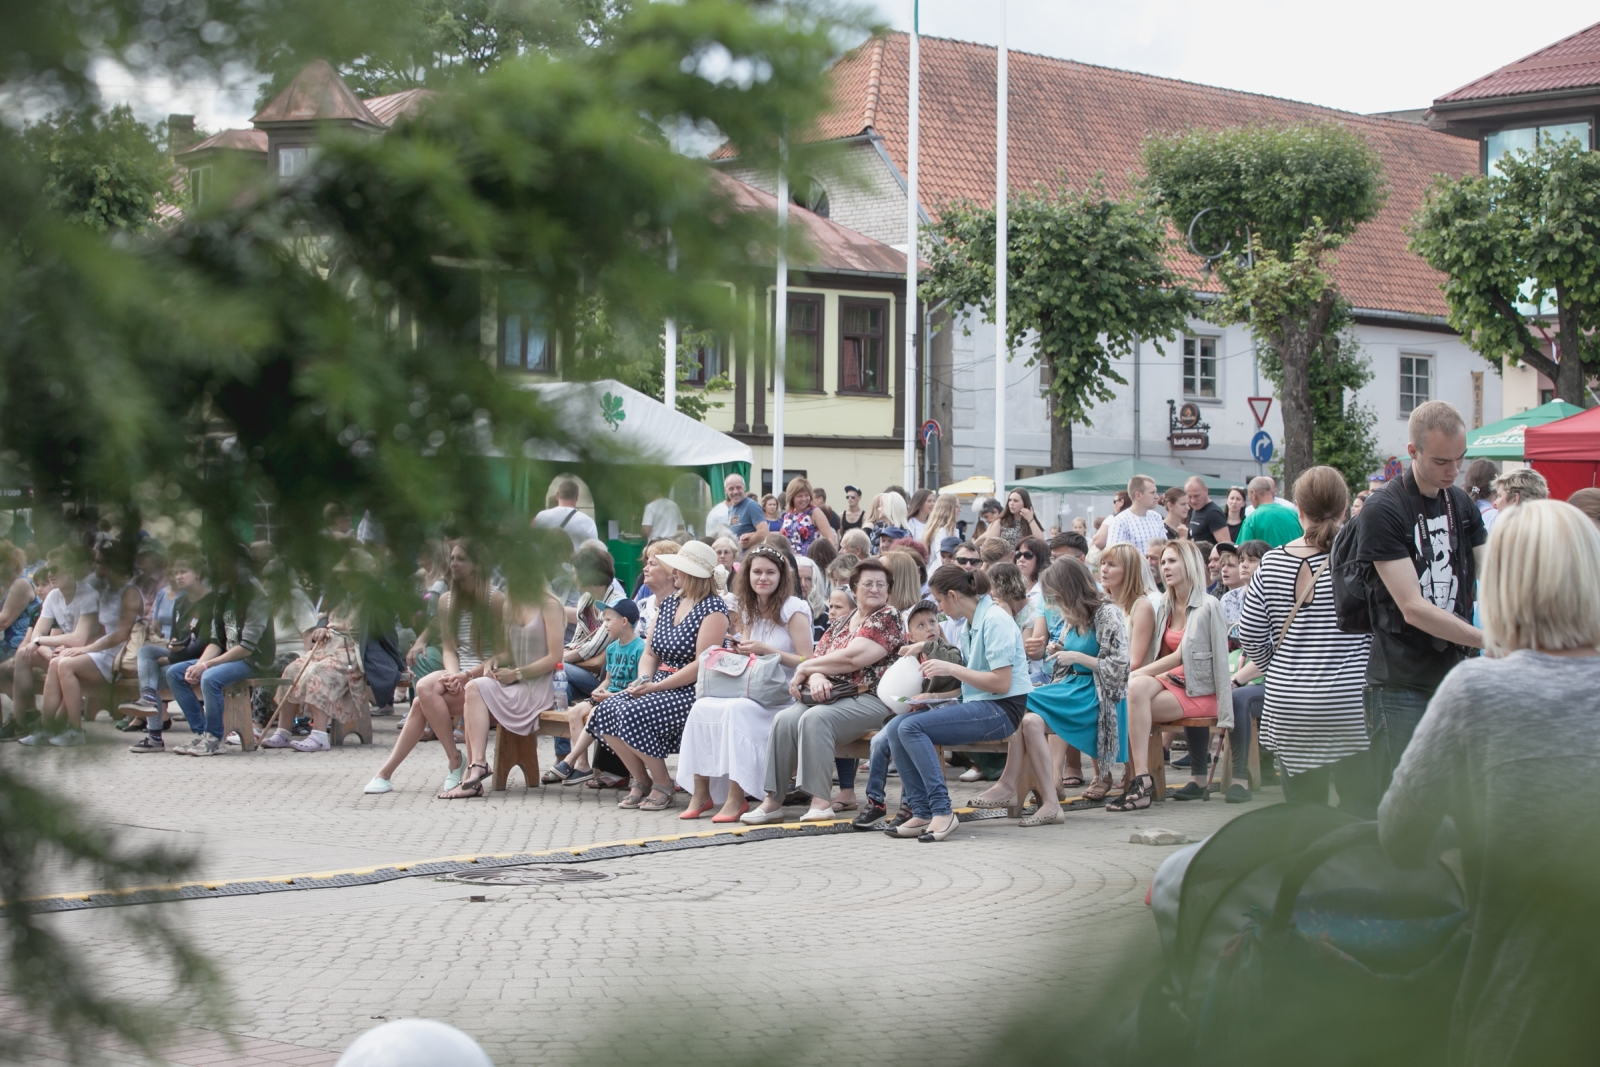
(236, 715)
(1157, 757)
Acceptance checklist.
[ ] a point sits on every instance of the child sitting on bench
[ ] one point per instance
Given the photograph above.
(621, 621)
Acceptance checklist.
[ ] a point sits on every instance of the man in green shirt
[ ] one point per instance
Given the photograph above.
(1276, 524)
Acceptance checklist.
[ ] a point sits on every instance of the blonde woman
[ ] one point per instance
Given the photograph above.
(941, 523)
(1190, 679)
(906, 570)
(1507, 751)
(887, 519)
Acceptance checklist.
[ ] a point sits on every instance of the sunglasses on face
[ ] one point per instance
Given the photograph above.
(1025, 555)
(968, 561)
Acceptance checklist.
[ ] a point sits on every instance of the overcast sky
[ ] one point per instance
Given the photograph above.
(1360, 55)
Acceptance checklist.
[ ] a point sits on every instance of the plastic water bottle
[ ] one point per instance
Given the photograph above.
(561, 689)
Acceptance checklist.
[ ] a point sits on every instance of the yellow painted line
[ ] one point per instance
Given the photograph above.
(291, 879)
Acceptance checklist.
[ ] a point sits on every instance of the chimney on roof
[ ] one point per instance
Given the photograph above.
(180, 133)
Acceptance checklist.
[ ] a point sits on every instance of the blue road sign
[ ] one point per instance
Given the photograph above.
(1261, 446)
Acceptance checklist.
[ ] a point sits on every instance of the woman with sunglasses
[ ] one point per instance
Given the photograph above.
(1032, 557)
(854, 516)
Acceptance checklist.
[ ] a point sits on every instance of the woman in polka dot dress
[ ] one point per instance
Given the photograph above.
(644, 723)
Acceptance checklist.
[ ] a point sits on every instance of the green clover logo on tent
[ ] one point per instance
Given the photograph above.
(611, 408)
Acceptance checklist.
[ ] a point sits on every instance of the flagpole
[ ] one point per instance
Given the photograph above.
(1002, 346)
(780, 326)
(909, 400)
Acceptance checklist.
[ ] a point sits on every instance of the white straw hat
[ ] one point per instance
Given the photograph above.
(696, 558)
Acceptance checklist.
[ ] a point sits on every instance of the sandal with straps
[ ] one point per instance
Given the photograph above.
(635, 797)
(1098, 791)
(471, 786)
(1138, 796)
(650, 803)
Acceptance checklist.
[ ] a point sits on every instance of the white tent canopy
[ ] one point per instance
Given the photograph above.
(620, 424)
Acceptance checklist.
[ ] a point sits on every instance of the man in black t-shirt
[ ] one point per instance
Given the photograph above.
(1424, 538)
(1207, 522)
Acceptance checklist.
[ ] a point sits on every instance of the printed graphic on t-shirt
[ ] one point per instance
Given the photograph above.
(1438, 579)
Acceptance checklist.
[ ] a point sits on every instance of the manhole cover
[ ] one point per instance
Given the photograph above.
(528, 876)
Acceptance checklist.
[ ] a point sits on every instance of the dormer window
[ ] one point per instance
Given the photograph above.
(199, 184)
(293, 162)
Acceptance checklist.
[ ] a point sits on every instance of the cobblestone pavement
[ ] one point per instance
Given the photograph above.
(825, 948)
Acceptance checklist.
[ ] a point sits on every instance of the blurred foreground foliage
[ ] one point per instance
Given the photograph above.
(321, 339)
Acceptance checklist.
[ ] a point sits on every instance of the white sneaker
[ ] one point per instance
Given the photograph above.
(379, 785)
(971, 774)
(206, 745)
(138, 708)
(315, 741)
(38, 737)
(70, 738)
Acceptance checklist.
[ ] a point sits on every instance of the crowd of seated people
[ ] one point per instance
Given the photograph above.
(1067, 654)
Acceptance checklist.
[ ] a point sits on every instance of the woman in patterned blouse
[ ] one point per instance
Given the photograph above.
(836, 694)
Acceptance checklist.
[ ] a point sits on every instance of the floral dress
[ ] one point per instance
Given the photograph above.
(653, 723)
(800, 528)
(329, 677)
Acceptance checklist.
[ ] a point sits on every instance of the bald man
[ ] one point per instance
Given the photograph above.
(1207, 522)
(1276, 524)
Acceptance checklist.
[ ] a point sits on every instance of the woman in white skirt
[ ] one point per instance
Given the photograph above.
(725, 739)
(90, 666)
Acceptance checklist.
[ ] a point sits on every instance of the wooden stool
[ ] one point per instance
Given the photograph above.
(360, 726)
(515, 750)
(1158, 762)
(236, 710)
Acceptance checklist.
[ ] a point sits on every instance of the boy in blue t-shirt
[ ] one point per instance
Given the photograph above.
(621, 621)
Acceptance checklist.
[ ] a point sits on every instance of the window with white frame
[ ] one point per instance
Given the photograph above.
(524, 340)
(1200, 368)
(1416, 382)
(199, 184)
(293, 161)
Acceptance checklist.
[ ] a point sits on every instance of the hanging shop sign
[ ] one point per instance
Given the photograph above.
(1185, 431)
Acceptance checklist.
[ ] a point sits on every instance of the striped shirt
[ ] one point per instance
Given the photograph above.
(1312, 714)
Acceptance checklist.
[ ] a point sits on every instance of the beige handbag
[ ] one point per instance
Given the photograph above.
(127, 661)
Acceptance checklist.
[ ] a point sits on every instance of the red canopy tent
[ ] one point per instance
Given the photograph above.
(1566, 452)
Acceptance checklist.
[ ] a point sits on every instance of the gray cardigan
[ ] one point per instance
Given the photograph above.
(1204, 650)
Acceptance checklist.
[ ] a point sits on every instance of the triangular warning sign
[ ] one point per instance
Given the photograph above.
(1260, 405)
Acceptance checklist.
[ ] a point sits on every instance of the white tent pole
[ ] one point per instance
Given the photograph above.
(910, 391)
(1002, 346)
(780, 339)
(671, 371)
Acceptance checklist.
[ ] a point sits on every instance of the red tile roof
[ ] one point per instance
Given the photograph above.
(832, 247)
(1070, 121)
(1571, 63)
(317, 93)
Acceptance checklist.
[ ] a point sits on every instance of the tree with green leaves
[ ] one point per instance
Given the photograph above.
(323, 339)
(1280, 199)
(104, 169)
(1302, 331)
(1088, 276)
(1520, 247)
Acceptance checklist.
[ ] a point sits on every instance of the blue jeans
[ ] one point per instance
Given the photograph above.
(580, 683)
(207, 719)
(878, 766)
(1392, 714)
(150, 657)
(914, 739)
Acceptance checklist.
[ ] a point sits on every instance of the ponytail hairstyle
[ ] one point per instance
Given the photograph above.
(952, 578)
(1006, 583)
(1323, 500)
(1070, 588)
(1480, 477)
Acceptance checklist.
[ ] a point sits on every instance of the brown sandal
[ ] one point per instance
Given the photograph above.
(1098, 791)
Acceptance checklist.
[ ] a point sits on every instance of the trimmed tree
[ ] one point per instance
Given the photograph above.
(1521, 248)
(1088, 277)
(1289, 196)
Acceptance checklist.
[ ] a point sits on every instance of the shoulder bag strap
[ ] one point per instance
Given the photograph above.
(568, 519)
(1300, 601)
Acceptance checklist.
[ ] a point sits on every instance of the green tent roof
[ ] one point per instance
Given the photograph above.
(1503, 439)
(1109, 477)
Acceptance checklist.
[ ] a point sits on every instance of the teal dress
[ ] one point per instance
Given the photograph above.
(1071, 706)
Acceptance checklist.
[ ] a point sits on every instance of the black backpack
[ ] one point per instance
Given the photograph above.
(1353, 580)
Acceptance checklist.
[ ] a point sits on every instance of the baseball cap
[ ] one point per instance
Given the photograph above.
(627, 609)
(949, 544)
